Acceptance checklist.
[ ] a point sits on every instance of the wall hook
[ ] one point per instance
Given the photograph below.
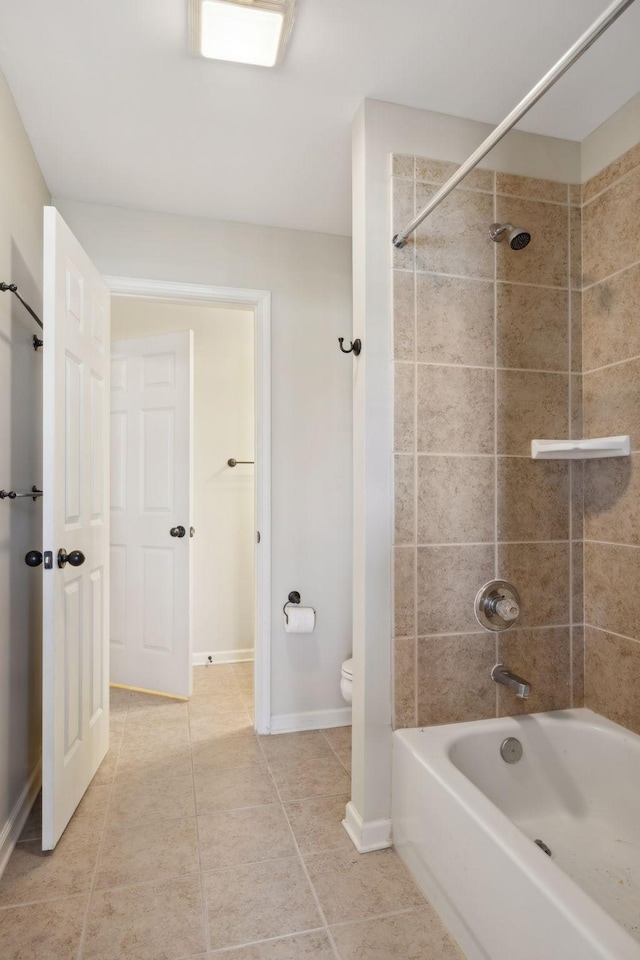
(355, 348)
(37, 342)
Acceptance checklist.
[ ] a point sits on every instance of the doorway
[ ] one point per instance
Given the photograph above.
(230, 503)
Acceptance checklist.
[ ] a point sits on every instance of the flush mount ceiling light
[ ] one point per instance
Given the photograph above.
(244, 31)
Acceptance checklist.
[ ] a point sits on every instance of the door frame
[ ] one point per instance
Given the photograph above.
(260, 302)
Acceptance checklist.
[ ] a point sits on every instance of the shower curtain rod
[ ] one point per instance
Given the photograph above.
(581, 45)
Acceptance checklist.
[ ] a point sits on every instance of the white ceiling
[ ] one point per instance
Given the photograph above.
(119, 113)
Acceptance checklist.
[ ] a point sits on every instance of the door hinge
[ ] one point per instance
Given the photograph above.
(47, 557)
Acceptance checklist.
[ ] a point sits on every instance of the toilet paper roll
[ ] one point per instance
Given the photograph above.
(300, 619)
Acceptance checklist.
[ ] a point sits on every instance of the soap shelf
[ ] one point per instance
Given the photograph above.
(581, 449)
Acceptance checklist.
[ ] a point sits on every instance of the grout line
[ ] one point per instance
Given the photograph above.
(610, 276)
(414, 571)
(496, 510)
(622, 636)
(612, 543)
(94, 875)
(571, 467)
(257, 943)
(610, 186)
(461, 276)
(480, 631)
(607, 366)
(495, 367)
(338, 758)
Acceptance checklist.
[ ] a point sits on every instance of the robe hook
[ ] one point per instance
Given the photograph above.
(355, 348)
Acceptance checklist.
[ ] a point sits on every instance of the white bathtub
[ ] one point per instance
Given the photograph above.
(464, 822)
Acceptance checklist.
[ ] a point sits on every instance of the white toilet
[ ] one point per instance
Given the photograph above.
(346, 680)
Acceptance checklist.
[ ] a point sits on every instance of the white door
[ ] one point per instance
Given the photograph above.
(75, 687)
(151, 477)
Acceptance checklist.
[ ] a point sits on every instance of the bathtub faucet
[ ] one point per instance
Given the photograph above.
(521, 688)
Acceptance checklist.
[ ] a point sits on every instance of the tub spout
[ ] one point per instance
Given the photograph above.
(521, 688)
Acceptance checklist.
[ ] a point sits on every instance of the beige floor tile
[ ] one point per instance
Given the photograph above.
(317, 823)
(217, 705)
(231, 789)
(404, 937)
(50, 931)
(93, 806)
(339, 738)
(140, 799)
(304, 947)
(244, 836)
(33, 875)
(119, 700)
(353, 886)
(148, 851)
(231, 724)
(159, 759)
(107, 769)
(308, 745)
(151, 921)
(168, 734)
(310, 778)
(259, 901)
(229, 751)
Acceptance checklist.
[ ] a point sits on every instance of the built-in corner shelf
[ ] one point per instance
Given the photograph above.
(581, 449)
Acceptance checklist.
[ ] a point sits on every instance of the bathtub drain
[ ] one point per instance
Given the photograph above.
(543, 846)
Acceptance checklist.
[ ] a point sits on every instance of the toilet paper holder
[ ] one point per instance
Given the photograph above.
(294, 597)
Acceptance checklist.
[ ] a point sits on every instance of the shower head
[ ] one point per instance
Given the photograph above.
(518, 237)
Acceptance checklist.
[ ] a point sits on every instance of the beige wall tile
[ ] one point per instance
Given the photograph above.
(577, 666)
(403, 315)
(576, 424)
(317, 823)
(402, 165)
(448, 580)
(610, 236)
(612, 677)
(353, 886)
(455, 410)
(404, 937)
(577, 581)
(258, 901)
(575, 241)
(540, 572)
(611, 402)
(611, 329)
(162, 919)
(531, 405)
(576, 331)
(577, 473)
(454, 682)
(404, 682)
(404, 591)
(542, 657)
(404, 476)
(612, 598)
(455, 237)
(456, 502)
(403, 207)
(404, 407)
(575, 194)
(437, 171)
(533, 327)
(455, 320)
(612, 500)
(545, 259)
(533, 499)
(606, 177)
(531, 188)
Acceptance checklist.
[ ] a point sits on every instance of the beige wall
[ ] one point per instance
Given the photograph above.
(223, 504)
(485, 359)
(611, 354)
(23, 193)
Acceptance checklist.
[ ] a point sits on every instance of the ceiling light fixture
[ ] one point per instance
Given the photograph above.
(244, 31)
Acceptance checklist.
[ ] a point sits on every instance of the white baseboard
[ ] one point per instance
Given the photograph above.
(18, 816)
(366, 836)
(311, 720)
(222, 656)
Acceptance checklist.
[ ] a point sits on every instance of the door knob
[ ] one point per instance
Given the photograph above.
(33, 558)
(177, 531)
(76, 558)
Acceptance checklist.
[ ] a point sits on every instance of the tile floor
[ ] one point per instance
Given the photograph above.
(199, 839)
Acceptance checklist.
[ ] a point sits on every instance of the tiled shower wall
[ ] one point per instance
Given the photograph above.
(487, 356)
(611, 359)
